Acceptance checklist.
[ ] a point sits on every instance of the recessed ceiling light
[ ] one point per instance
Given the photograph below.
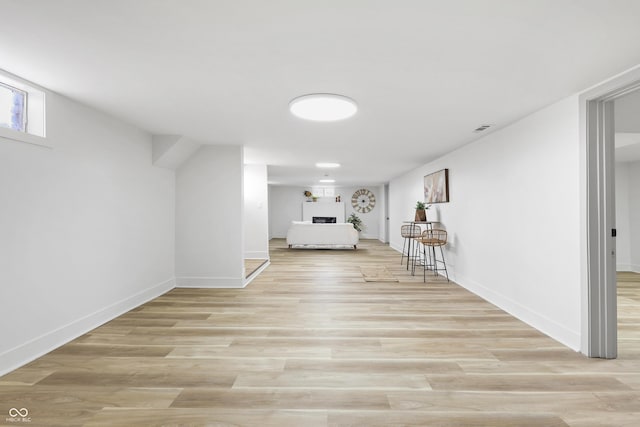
(323, 107)
(327, 165)
(327, 180)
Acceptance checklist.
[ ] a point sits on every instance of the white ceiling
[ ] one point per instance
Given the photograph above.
(424, 73)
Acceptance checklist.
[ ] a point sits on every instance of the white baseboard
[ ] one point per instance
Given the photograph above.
(628, 267)
(210, 282)
(256, 255)
(536, 320)
(32, 349)
(256, 273)
(366, 236)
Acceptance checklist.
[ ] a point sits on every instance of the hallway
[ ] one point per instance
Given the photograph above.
(308, 342)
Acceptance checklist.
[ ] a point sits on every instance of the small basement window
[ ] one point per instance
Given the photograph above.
(13, 108)
(22, 110)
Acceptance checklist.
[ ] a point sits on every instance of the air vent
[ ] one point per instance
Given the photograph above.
(482, 128)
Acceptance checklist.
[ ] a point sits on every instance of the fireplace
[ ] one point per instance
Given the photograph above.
(323, 220)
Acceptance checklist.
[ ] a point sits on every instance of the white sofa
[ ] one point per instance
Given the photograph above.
(307, 233)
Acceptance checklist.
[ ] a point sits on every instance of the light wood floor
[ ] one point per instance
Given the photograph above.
(251, 265)
(309, 343)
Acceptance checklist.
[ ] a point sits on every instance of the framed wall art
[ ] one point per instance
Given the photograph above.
(436, 187)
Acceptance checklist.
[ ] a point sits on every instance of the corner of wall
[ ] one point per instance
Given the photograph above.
(171, 151)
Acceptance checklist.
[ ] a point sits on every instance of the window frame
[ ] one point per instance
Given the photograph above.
(35, 108)
(25, 107)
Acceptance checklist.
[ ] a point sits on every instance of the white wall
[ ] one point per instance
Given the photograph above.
(627, 113)
(623, 243)
(285, 205)
(513, 219)
(383, 212)
(370, 220)
(210, 218)
(634, 215)
(86, 230)
(256, 212)
(628, 216)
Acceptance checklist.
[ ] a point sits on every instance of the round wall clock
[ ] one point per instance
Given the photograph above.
(363, 201)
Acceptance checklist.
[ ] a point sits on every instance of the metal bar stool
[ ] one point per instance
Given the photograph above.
(409, 232)
(430, 239)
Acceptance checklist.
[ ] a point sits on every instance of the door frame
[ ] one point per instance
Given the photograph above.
(597, 166)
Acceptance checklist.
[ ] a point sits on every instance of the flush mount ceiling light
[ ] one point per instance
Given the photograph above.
(327, 165)
(323, 107)
(327, 180)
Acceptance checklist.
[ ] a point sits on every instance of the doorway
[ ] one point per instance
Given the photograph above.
(627, 208)
(598, 217)
(627, 177)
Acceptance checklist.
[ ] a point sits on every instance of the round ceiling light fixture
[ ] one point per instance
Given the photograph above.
(323, 107)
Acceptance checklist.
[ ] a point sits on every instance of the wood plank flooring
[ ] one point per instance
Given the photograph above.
(251, 265)
(310, 343)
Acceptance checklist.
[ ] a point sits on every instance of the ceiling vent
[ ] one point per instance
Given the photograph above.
(481, 128)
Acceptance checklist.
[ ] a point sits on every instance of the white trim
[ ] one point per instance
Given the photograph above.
(18, 136)
(210, 282)
(598, 286)
(367, 236)
(256, 255)
(635, 268)
(36, 111)
(256, 273)
(18, 356)
(395, 248)
(534, 319)
(601, 220)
